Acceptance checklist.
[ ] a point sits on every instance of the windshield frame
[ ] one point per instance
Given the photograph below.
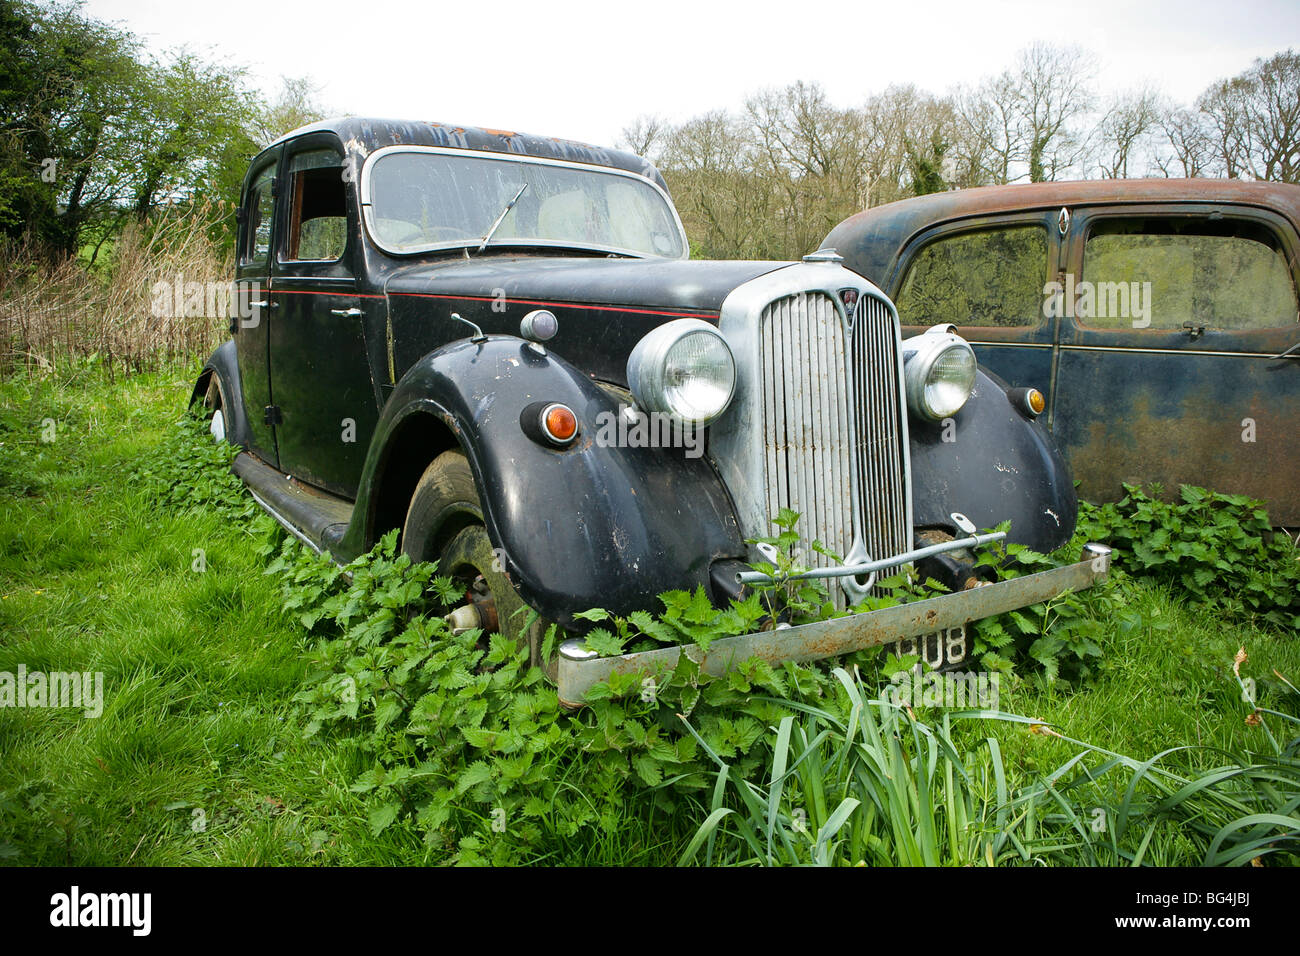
(367, 208)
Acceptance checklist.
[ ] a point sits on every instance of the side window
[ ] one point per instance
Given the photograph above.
(990, 277)
(1220, 274)
(318, 207)
(257, 222)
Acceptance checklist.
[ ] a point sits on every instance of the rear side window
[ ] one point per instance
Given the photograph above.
(1219, 274)
(257, 221)
(993, 277)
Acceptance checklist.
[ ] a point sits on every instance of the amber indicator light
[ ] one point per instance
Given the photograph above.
(559, 423)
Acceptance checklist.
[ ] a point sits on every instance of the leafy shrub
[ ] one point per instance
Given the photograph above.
(191, 470)
(1216, 549)
(466, 746)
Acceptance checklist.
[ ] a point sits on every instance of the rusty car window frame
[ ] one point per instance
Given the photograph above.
(1074, 247)
(367, 209)
(293, 198)
(916, 246)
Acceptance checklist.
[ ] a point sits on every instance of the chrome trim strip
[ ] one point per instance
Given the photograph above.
(284, 522)
(1125, 348)
(1121, 348)
(1012, 345)
(870, 567)
(367, 170)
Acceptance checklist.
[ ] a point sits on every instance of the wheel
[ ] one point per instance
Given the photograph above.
(444, 523)
(214, 402)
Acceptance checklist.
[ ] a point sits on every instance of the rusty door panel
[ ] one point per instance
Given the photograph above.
(1174, 406)
(1137, 417)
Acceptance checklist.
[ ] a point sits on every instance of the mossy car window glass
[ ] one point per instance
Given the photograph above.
(993, 277)
(422, 200)
(318, 206)
(261, 203)
(1216, 274)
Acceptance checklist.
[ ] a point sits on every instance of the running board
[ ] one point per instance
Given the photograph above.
(315, 517)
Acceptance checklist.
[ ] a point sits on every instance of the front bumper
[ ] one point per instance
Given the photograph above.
(580, 669)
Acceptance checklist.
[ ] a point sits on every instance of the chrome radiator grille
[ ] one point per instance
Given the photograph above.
(832, 426)
(876, 374)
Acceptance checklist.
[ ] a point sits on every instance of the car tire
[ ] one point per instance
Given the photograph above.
(214, 409)
(444, 523)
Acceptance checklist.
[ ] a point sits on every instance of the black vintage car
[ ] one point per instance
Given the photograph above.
(1159, 316)
(496, 344)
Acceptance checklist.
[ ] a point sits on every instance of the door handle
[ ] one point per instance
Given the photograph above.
(347, 313)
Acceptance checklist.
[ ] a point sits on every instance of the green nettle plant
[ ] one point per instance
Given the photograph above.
(1216, 549)
(464, 744)
(1062, 636)
(190, 470)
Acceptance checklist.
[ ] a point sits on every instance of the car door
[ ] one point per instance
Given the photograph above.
(324, 396)
(987, 276)
(1168, 372)
(251, 325)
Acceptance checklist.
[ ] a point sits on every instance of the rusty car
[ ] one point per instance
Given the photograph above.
(497, 345)
(1159, 317)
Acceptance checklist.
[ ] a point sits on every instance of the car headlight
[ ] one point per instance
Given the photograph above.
(684, 368)
(939, 371)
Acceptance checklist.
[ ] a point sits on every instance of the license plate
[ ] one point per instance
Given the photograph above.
(941, 650)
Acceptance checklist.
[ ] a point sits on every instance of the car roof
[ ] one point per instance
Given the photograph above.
(362, 136)
(871, 240)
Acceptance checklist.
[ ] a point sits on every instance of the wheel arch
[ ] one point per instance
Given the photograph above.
(579, 527)
(412, 444)
(224, 365)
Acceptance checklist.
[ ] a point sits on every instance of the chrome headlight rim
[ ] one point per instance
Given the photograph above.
(647, 369)
(921, 354)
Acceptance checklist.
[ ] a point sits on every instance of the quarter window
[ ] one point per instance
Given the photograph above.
(1222, 274)
(257, 237)
(993, 277)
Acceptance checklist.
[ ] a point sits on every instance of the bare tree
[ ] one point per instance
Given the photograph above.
(1125, 129)
(989, 136)
(770, 182)
(909, 132)
(1053, 94)
(645, 136)
(1188, 143)
(727, 205)
(1273, 112)
(816, 153)
(1027, 121)
(1224, 107)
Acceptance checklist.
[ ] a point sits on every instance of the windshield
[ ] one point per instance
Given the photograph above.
(422, 200)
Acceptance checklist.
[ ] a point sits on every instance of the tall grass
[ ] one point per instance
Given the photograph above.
(57, 317)
(865, 781)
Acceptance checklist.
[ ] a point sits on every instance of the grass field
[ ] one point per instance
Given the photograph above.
(199, 755)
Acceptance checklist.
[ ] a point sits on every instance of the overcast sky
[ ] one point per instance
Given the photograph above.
(584, 70)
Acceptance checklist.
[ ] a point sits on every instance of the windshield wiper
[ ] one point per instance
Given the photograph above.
(500, 219)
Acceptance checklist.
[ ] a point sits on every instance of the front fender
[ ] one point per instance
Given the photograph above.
(992, 462)
(583, 526)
